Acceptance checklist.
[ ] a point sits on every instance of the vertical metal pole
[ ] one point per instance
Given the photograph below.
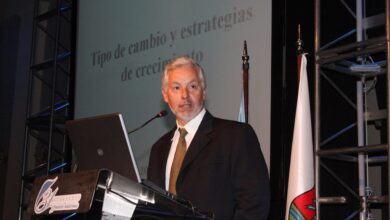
(54, 87)
(359, 20)
(317, 104)
(361, 142)
(360, 116)
(388, 96)
(28, 112)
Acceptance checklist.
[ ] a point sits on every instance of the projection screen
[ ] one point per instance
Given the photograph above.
(122, 47)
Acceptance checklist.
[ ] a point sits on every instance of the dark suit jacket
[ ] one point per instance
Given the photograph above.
(223, 172)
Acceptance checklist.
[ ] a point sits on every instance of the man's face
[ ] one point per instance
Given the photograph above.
(184, 93)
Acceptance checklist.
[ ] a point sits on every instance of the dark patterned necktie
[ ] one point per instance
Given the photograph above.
(181, 149)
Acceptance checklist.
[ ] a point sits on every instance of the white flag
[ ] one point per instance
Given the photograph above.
(241, 113)
(301, 192)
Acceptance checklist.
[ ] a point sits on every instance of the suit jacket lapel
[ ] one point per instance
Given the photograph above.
(166, 146)
(200, 140)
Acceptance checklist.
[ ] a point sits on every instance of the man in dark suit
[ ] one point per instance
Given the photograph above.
(214, 163)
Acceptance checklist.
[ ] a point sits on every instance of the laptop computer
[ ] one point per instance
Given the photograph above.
(101, 142)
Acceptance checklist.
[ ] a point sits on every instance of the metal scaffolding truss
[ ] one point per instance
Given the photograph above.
(357, 59)
(46, 148)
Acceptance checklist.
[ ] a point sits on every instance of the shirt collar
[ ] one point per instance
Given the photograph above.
(192, 126)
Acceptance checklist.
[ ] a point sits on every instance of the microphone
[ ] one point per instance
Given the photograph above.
(159, 115)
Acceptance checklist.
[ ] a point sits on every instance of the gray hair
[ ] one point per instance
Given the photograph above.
(179, 62)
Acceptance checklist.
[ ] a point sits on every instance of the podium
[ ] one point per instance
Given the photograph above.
(104, 194)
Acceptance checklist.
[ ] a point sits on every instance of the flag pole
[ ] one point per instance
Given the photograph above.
(299, 50)
(245, 76)
(299, 41)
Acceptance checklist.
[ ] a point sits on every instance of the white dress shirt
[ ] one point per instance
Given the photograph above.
(191, 128)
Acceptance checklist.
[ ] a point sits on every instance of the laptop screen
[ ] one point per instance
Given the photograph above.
(101, 142)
